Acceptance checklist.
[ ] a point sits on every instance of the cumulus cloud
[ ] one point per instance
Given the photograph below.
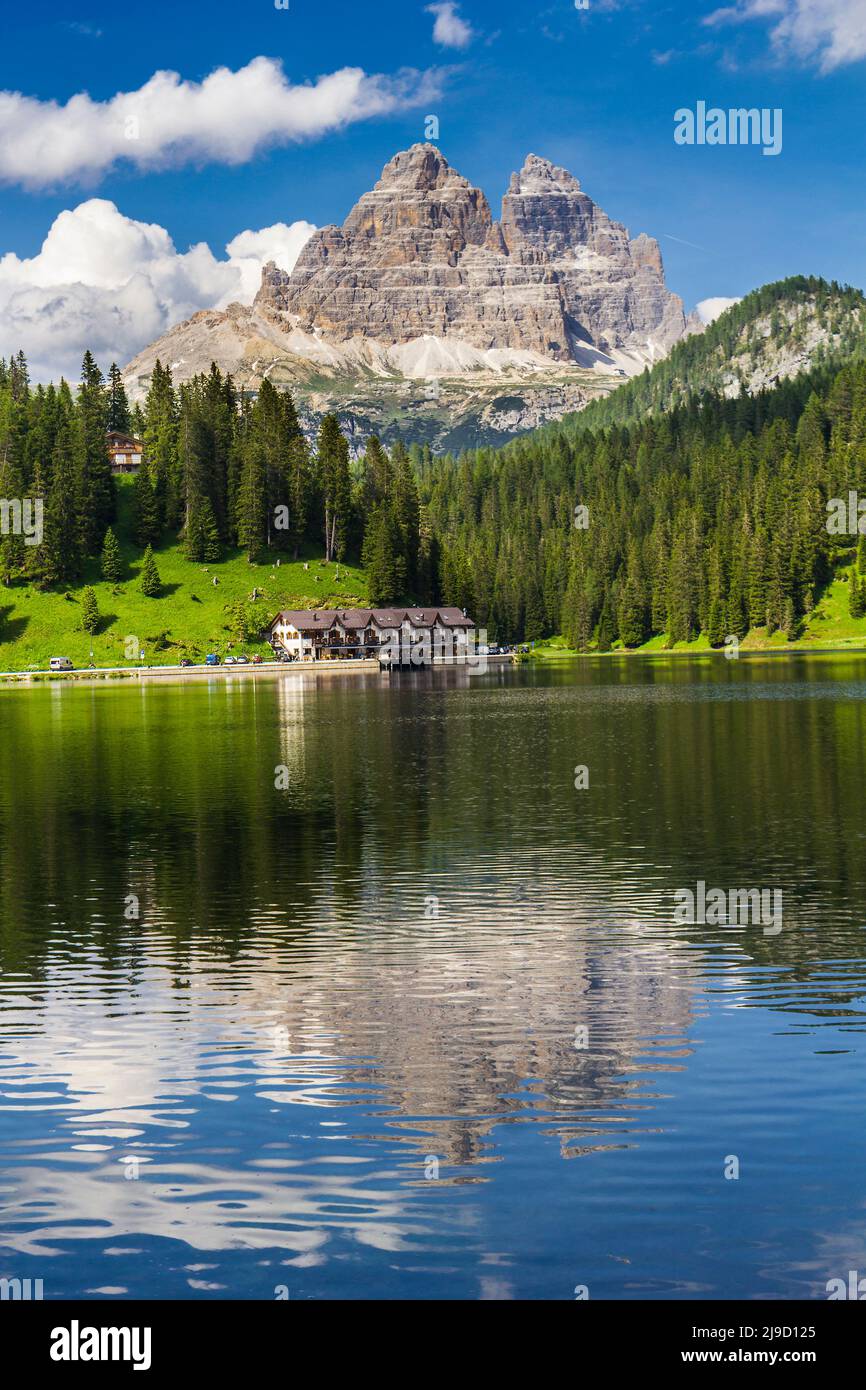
(107, 282)
(710, 309)
(450, 30)
(831, 33)
(228, 118)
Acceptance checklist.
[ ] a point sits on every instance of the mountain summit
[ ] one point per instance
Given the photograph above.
(423, 317)
(421, 255)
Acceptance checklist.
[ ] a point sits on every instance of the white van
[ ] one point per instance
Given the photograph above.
(60, 663)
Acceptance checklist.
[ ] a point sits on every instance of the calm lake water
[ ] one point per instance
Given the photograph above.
(339, 1051)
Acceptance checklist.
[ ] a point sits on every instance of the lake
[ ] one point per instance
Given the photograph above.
(357, 987)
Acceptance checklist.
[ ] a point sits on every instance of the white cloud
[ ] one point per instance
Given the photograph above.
(450, 30)
(107, 282)
(249, 251)
(167, 123)
(831, 33)
(710, 309)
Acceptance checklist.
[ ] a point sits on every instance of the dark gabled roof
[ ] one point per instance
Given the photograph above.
(119, 439)
(455, 617)
(357, 619)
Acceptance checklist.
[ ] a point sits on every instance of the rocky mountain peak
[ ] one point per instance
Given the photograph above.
(540, 178)
(420, 256)
(421, 168)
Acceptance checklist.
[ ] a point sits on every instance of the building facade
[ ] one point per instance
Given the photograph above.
(125, 452)
(340, 634)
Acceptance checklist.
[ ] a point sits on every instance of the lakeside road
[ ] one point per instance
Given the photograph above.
(86, 675)
(183, 673)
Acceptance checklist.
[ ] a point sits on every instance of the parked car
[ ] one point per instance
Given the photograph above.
(185, 661)
(211, 660)
(60, 663)
(230, 661)
(257, 660)
(242, 661)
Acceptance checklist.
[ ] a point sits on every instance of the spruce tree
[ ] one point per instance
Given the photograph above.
(118, 417)
(112, 565)
(96, 490)
(59, 555)
(407, 513)
(631, 616)
(213, 548)
(89, 611)
(151, 584)
(716, 629)
(193, 541)
(606, 635)
(252, 504)
(334, 485)
(381, 557)
(161, 446)
(146, 527)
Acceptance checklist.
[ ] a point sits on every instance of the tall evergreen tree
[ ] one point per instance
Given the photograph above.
(118, 414)
(112, 565)
(146, 527)
(96, 492)
(150, 582)
(334, 484)
(89, 612)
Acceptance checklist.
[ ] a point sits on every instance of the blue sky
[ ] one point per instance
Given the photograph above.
(595, 90)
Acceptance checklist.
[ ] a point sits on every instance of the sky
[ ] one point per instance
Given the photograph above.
(152, 158)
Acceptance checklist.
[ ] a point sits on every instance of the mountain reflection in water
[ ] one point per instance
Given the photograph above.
(421, 1023)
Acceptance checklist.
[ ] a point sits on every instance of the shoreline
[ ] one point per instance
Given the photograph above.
(370, 666)
(859, 650)
(123, 674)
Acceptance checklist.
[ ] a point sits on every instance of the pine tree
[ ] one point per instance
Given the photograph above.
(631, 616)
(606, 635)
(59, 555)
(716, 628)
(299, 481)
(407, 513)
(161, 446)
(334, 483)
(381, 556)
(252, 504)
(533, 618)
(193, 541)
(89, 611)
(118, 406)
(856, 596)
(112, 565)
(96, 490)
(146, 528)
(151, 584)
(213, 550)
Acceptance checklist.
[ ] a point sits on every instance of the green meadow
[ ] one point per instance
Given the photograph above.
(190, 617)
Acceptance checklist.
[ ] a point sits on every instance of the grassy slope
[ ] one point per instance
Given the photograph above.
(829, 625)
(35, 626)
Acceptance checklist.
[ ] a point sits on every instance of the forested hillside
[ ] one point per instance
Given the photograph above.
(777, 332)
(221, 472)
(711, 519)
(708, 519)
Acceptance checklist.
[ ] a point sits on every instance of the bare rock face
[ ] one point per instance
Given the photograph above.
(509, 323)
(420, 255)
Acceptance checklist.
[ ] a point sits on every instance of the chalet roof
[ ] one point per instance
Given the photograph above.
(357, 619)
